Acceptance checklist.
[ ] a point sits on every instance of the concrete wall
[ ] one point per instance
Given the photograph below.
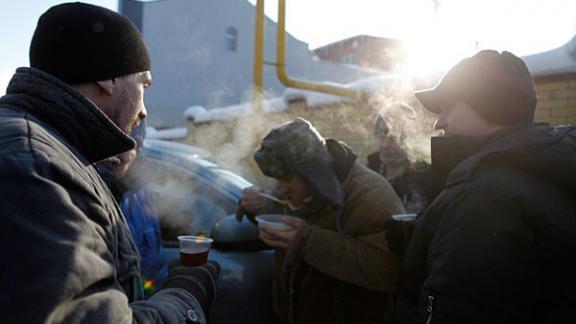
(191, 64)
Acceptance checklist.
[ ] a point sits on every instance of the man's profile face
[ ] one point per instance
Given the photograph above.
(128, 108)
(294, 189)
(459, 118)
(389, 148)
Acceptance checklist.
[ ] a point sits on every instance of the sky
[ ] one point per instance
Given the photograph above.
(439, 32)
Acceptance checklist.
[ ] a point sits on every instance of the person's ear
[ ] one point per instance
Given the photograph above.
(107, 86)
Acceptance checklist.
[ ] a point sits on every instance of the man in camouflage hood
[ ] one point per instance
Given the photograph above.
(335, 265)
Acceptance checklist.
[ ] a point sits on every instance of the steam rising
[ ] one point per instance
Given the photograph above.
(234, 141)
(182, 204)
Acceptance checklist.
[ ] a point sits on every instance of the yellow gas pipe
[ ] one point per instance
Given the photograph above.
(281, 64)
(258, 79)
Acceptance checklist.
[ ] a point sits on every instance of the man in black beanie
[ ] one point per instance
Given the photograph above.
(66, 252)
(497, 244)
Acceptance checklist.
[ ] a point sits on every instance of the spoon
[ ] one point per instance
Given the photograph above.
(280, 201)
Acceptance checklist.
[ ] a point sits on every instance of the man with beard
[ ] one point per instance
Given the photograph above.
(497, 244)
(66, 252)
(137, 203)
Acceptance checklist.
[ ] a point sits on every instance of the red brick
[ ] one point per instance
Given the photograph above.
(557, 120)
(543, 95)
(552, 103)
(571, 120)
(558, 85)
(542, 112)
(571, 93)
(558, 112)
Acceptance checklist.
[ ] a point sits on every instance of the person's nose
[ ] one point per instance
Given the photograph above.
(143, 112)
(440, 123)
(282, 188)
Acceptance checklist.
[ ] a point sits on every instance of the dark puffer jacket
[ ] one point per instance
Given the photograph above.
(66, 252)
(498, 244)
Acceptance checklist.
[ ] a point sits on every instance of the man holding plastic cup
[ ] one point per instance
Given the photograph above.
(334, 265)
(67, 254)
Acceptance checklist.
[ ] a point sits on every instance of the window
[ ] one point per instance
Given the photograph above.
(348, 59)
(231, 39)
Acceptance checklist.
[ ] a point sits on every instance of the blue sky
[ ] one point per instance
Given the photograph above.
(455, 29)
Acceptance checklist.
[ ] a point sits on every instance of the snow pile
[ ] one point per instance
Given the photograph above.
(199, 114)
(167, 134)
(312, 98)
(382, 84)
(557, 61)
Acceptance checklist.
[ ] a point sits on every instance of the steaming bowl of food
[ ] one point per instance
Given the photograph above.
(274, 221)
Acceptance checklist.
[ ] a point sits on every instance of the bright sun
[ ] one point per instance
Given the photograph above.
(435, 44)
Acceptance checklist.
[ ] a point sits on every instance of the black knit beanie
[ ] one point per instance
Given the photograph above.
(498, 86)
(78, 42)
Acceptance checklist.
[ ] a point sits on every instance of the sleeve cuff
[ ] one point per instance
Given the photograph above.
(296, 252)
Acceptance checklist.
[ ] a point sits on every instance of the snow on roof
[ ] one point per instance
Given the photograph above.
(199, 114)
(169, 133)
(371, 85)
(312, 98)
(561, 60)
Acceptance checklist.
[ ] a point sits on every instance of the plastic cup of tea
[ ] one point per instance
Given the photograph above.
(405, 223)
(274, 221)
(194, 250)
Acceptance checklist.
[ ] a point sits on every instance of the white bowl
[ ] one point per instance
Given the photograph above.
(404, 217)
(274, 221)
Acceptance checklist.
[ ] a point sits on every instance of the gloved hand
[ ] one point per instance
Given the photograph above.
(200, 281)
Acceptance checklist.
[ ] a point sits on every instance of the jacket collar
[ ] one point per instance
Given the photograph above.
(80, 122)
(511, 146)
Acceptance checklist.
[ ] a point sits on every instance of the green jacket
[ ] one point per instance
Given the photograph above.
(331, 276)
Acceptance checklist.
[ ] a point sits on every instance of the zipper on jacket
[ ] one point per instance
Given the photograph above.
(429, 309)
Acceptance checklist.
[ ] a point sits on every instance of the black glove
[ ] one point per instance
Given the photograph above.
(199, 281)
(241, 212)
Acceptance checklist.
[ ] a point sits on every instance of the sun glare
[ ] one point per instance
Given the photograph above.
(436, 43)
(427, 56)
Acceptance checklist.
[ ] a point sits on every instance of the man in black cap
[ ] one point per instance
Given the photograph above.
(66, 251)
(334, 265)
(497, 244)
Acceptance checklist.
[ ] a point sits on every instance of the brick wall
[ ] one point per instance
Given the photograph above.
(556, 100)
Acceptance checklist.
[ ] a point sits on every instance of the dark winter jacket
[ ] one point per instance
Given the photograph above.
(498, 243)
(66, 252)
(340, 268)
